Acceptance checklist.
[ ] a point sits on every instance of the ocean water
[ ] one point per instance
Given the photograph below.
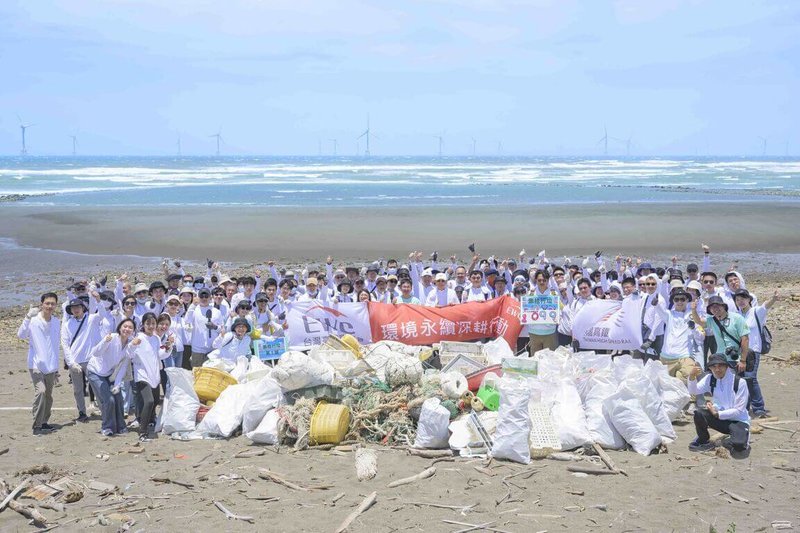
(394, 181)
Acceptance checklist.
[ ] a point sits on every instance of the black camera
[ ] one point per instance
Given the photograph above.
(732, 353)
(691, 324)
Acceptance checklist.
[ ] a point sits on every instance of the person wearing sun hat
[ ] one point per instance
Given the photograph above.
(683, 339)
(441, 296)
(78, 334)
(731, 332)
(233, 344)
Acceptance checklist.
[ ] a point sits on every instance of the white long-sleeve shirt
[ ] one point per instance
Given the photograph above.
(77, 350)
(106, 356)
(229, 348)
(755, 334)
(146, 358)
(202, 337)
(731, 405)
(679, 340)
(43, 341)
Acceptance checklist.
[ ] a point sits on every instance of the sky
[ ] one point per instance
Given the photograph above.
(284, 77)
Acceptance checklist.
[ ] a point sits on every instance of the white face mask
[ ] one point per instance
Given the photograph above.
(141, 301)
(106, 304)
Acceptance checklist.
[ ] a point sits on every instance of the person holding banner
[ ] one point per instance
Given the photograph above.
(406, 294)
(442, 296)
(476, 292)
(542, 336)
(569, 312)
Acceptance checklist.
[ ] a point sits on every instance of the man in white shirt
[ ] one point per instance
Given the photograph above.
(205, 322)
(42, 331)
(441, 296)
(683, 341)
(476, 291)
(727, 410)
(77, 334)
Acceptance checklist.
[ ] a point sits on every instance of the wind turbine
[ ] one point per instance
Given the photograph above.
(218, 135)
(628, 142)
(367, 133)
(22, 128)
(74, 144)
(604, 140)
(335, 146)
(763, 146)
(179, 145)
(499, 147)
(474, 145)
(440, 137)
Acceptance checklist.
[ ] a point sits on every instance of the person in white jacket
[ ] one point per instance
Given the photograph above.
(146, 353)
(233, 344)
(42, 330)
(108, 358)
(204, 321)
(441, 296)
(77, 333)
(683, 339)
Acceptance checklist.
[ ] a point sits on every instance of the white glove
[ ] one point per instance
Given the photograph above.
(522, 252)
(115, 390)
(76, 367)
(541, 254)
(585, 263)
(567, 260)
(32, 312)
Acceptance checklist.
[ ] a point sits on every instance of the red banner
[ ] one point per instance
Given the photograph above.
(417, 324)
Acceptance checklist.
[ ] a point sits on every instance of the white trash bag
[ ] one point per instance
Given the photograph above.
(181, 403)
(267, 430)
(495, 350)
(432, 428)
(226, 414)
(513, 422)
(568, 416)
(266, 395)
(296, 370)
(632, 422)
(595, 390)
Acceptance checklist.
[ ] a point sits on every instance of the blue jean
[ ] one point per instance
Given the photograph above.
(110, 404)
(756, 399)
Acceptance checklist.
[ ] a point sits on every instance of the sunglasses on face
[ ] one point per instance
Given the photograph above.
(649, 284)
(708, 281)
(679, 300)
(129, 304)
(173, 303)
(203, 296)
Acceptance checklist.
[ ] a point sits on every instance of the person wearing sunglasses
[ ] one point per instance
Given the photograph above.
(683, 338)
(177, 330)
(652, 327)
(205, 321)
(568, 312)
(442, 296)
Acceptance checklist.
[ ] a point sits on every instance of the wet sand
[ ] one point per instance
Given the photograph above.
(253, 234)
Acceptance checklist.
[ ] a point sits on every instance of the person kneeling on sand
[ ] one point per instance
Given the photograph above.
(727, 410)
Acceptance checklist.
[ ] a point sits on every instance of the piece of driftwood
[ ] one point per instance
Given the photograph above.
(232, 516)
(247, 454)
(429, 454)
(428, 472)
(589, 470)
(365, 504)
(460, 508)
(775, 428)
(607, 460)
(4, 451)
(787, 468)
(475, 527)
(13, 494)
(168, 480)
(276, 478)
(735, 496)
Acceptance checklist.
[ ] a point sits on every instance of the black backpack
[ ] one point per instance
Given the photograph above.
(713, 384)
(766, 335)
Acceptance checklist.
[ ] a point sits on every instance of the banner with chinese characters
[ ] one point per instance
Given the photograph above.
(541, 309)
(416, 324)
(311, 322)
(609, 325)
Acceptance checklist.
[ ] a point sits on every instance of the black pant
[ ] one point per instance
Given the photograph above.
(564, 340)
(146, 399)
(522, 344)
(739, 431)
(709, 348)
(658, 344)
(187, 357)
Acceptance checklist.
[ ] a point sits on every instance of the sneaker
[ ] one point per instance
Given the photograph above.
(134, 424)
(40, 431)
(48, 427)
(144, 438)
(123, 431)
(760, 414)
(107, 433)
(82, 417)
(697, 446)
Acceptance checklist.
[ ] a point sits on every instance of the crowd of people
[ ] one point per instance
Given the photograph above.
(117, 338)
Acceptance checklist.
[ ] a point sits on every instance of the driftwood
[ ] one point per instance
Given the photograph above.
(231, 516)
(735, 496)
(475, 527)
(168, 480)
(461, 508)
(507, 498)
(787, 468)
(428, 472)
(4, 451)
(246, 454)
(607, 460)
(365, 504)
(429, 454)
(13, 494)
(589, 470)
(280, 480)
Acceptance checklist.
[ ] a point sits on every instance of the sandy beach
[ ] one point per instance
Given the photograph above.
(674, 491)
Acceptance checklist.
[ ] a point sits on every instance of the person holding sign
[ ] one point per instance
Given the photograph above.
(233, 344)
(541, 336)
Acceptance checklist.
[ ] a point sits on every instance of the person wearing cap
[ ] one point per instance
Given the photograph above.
(157, 292)
(731, 332)
(727, 410)
(490, 275)
(391, 285)
(500, 287)
(683, 339)
(441, 296)
(476, 292)
(174, 282)
(692, 272)
(756, 319)
(243, 310)
(41, 328)
(372, 277)
(79, 289)
(233, 344)
(77, 335)
(203, 321)
(344, 291)
(177, 330)
(380, 293)
(313, 293)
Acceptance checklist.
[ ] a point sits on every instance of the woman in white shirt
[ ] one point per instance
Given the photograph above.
(146, 354)
(233, 344)
(107, 358)
(756, 318)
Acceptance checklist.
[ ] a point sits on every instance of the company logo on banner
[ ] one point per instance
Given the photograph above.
(310, 323)
(416, 324)
(609, 325)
